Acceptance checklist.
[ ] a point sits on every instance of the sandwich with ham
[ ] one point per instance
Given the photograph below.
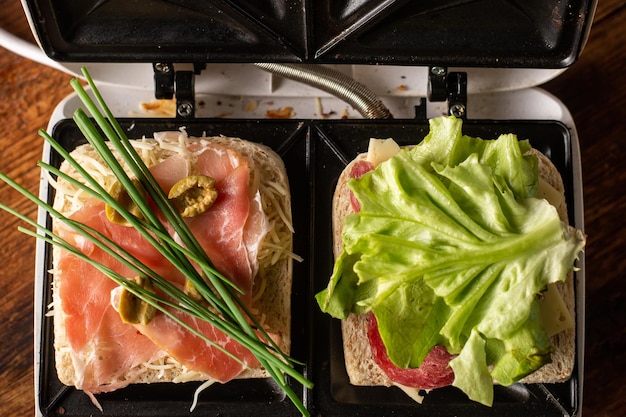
(244, 226)
(454, 265)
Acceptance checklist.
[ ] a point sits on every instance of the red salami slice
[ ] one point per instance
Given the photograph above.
(434, 372)
(358, 170)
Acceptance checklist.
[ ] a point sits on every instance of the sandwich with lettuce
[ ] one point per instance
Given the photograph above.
(454, 265)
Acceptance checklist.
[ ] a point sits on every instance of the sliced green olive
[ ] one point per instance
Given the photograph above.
(134, 310)
(192, 291)
(119, 193)
(193, 195)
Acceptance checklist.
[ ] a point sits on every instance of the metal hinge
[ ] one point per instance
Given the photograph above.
(450, 87)
(169, 83)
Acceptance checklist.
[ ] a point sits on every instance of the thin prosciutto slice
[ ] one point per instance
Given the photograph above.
(94, 330)
(170, 171)
(229, 232)
(225, 244)
(188, 348)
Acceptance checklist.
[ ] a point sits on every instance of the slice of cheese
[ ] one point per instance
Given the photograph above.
(549, 193)
(554, 313)
(379, 150)
(413, 393)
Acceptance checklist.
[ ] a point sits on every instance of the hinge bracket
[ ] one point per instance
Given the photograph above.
(450, 87)
(169, 83)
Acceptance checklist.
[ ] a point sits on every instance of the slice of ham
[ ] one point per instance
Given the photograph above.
(434, 372)
(84, 291)
(188, 348)
(225, 244)
(224, 231)
(94, 330)
(231, 231)
(170, 171)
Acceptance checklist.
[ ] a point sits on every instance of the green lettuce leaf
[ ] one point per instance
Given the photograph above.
(470, 370)
(521, 353)
(450, 247)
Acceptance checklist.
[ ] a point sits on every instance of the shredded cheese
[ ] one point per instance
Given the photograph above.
(196, 394)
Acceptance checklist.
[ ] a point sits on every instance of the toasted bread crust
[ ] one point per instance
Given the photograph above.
(360, 366)
(273, 307)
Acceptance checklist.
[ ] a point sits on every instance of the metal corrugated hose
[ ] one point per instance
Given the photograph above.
(333, 82)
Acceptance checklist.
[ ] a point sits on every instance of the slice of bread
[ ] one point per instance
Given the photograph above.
(360, 366)
(272, 288)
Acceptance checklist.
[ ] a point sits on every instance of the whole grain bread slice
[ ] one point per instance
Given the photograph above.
(272, 289)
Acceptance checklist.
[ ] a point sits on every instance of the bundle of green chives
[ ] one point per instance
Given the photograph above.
(226, 310)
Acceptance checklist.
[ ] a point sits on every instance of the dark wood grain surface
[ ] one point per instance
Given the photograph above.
(594, 89)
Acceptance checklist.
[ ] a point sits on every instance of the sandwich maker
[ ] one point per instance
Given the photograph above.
(314, 80)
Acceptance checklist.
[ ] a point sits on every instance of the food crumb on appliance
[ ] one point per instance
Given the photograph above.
(320, 109)
(318, 106)
(251, 106)
(159, 108)
(402, 87)
(282, 113)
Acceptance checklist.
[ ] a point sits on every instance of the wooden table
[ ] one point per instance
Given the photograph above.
(594, 90)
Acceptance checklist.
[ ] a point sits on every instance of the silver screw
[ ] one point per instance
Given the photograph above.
(438, 71)
(457, 110)
(161, 67)
(184, 109)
